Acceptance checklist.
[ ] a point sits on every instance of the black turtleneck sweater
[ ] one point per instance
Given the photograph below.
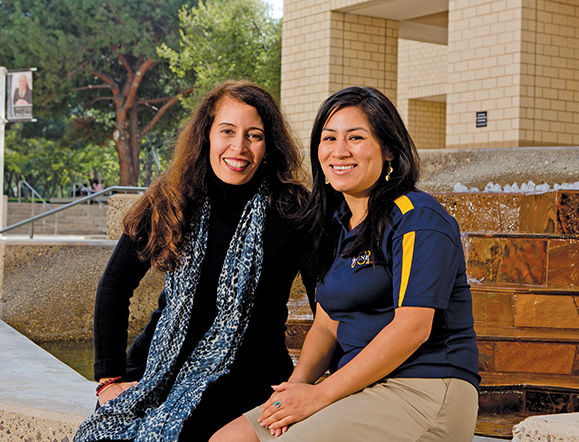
(262, 359)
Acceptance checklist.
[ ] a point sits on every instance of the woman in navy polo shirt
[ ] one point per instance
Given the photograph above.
(394, 306)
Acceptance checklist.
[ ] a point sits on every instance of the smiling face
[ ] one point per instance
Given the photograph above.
(237, 142)
(350, 155)
(23, 82)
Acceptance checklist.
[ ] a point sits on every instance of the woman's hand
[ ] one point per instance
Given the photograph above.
(393, 345)
(298, 397)
(113, 390)
(295, 402)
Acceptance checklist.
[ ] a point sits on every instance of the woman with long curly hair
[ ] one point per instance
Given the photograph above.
(221, 222)
(394, 307)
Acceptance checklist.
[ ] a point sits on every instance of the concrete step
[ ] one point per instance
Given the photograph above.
(525, 306)
(19, 212)
(72, 221)
(76, 229)
(533, 351)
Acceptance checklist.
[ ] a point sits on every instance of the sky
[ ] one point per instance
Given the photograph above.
(277, 7)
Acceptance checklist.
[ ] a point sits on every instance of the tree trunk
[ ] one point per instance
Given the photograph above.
(149, 168)
(128, 142)
(121, 138)
(127, 135)
(134, 143)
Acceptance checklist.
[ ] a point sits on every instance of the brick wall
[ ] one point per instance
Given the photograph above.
(422, 75)
(427, 123)
(550, 72)
(305, 60)
(484, 41)
(324, 51)
(517, 60)
(370, 53)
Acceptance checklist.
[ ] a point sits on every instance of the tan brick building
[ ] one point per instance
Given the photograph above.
(442, 62)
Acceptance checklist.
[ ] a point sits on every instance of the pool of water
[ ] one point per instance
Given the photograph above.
(78, 355)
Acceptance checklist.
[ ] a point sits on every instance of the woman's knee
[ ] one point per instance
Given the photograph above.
(239, 430)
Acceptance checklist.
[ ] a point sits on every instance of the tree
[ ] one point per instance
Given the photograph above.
(52, 156)
(225, 39)
(99, 55)
(46, 157)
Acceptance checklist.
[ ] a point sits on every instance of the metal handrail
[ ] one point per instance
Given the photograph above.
(33, 191)
(34, 194)
(79, 185)
(100, 212)
(73, 203)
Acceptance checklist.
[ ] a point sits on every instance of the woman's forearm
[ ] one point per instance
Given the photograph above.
(122, 275)
(387, 351)
(392, 346)
(317, 350)
(315, 356)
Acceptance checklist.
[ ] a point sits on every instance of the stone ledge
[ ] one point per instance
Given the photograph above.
(441, 169)
(118, 206)
(20, 423)
(41, 399)
(551, 428)
(47, 287)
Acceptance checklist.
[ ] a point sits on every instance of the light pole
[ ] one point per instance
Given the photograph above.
(3, 72)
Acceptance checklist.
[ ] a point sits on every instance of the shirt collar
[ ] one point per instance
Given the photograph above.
(341, 221)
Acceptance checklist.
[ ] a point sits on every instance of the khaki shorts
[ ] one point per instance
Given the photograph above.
(393, 410)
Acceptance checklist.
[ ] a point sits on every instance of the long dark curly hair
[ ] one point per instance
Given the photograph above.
(160, 219)
(389, 130)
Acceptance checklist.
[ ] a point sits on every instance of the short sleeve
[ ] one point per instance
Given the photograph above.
(426, 253)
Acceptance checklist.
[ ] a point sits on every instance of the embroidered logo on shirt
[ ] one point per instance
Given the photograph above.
(363, 258)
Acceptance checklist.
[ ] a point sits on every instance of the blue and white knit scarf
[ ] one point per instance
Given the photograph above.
(156, 408)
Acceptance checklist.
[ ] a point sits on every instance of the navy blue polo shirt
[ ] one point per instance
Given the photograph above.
(425, 268)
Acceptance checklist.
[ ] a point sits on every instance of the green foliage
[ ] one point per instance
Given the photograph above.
(227, 39)
(37, 154)
(97, 62)
(84, 49)
(31, 35)
(69, 40)
(156, 150)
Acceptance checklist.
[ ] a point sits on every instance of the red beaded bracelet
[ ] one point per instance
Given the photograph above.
(101, 387)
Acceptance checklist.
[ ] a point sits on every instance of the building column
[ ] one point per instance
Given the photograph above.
(550, 73)
(422, 85)
(516, 60)
(324, 51)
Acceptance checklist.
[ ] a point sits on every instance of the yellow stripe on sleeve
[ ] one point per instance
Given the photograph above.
(407, 252)
(404, 204)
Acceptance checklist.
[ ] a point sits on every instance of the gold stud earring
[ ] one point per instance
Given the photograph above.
(389, 172)
(326, 180)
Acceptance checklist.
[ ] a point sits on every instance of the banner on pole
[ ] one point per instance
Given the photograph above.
(19, 95)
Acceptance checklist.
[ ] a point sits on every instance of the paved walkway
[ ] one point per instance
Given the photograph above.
(52, 238)
(33, 379)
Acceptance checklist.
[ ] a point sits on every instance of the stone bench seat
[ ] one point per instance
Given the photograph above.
(553, 428)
